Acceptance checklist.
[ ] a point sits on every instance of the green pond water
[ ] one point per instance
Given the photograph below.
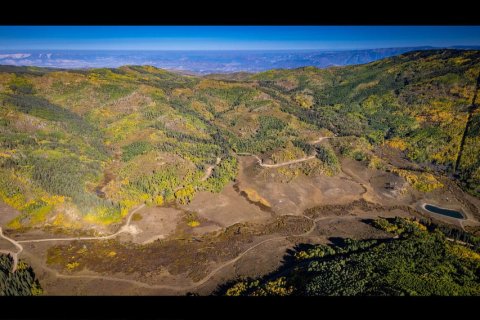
(445, 212)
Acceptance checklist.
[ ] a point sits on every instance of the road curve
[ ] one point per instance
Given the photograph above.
(134, 282)
(13, 254)
(260, 161)
(208, 276)
(17, 244)
(113, 235)
(124, 228)
(193, 285)
(160, 286)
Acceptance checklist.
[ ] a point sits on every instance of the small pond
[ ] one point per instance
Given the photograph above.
(443, 211)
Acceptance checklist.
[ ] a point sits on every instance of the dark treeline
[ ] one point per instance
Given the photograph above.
(22, 282)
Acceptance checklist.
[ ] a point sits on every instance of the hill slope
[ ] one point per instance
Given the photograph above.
(84, 147)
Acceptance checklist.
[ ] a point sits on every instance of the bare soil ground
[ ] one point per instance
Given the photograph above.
(342, 228)
(155, 223)
(7, 213)
(226, 208)
(301, 193)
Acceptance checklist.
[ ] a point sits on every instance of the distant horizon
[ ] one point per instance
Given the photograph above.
(233, 38)
(204, 61)
(246, 50)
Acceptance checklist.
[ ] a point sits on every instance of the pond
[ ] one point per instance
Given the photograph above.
(446, 212)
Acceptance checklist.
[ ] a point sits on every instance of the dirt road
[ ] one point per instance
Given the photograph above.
(260, 162)
(13, 254)
(123, 229)
(209, 170)
(193, 286)
(320, 139)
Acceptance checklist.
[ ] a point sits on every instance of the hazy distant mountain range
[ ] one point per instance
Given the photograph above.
(201, 62)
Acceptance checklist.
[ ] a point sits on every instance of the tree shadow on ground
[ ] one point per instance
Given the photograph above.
(289, 261)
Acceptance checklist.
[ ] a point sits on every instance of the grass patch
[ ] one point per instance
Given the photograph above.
(137, 217)
(253, 196)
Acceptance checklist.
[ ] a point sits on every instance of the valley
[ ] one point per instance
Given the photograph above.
(139, 181)
(232, 235)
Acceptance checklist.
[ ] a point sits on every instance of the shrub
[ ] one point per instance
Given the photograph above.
(134, 149)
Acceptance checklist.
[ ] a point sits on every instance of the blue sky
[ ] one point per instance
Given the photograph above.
(233, 37)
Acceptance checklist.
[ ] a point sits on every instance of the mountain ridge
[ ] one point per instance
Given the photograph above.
(203, 62)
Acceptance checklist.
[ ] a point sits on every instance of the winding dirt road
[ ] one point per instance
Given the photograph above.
(12, 253)
(193, 286)
(159, 286)
(212, 273)
(123, 229)
(260, 161)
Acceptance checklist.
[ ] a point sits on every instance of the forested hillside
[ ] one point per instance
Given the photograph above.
(421, 260)
(85, 146)
(418, 103)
